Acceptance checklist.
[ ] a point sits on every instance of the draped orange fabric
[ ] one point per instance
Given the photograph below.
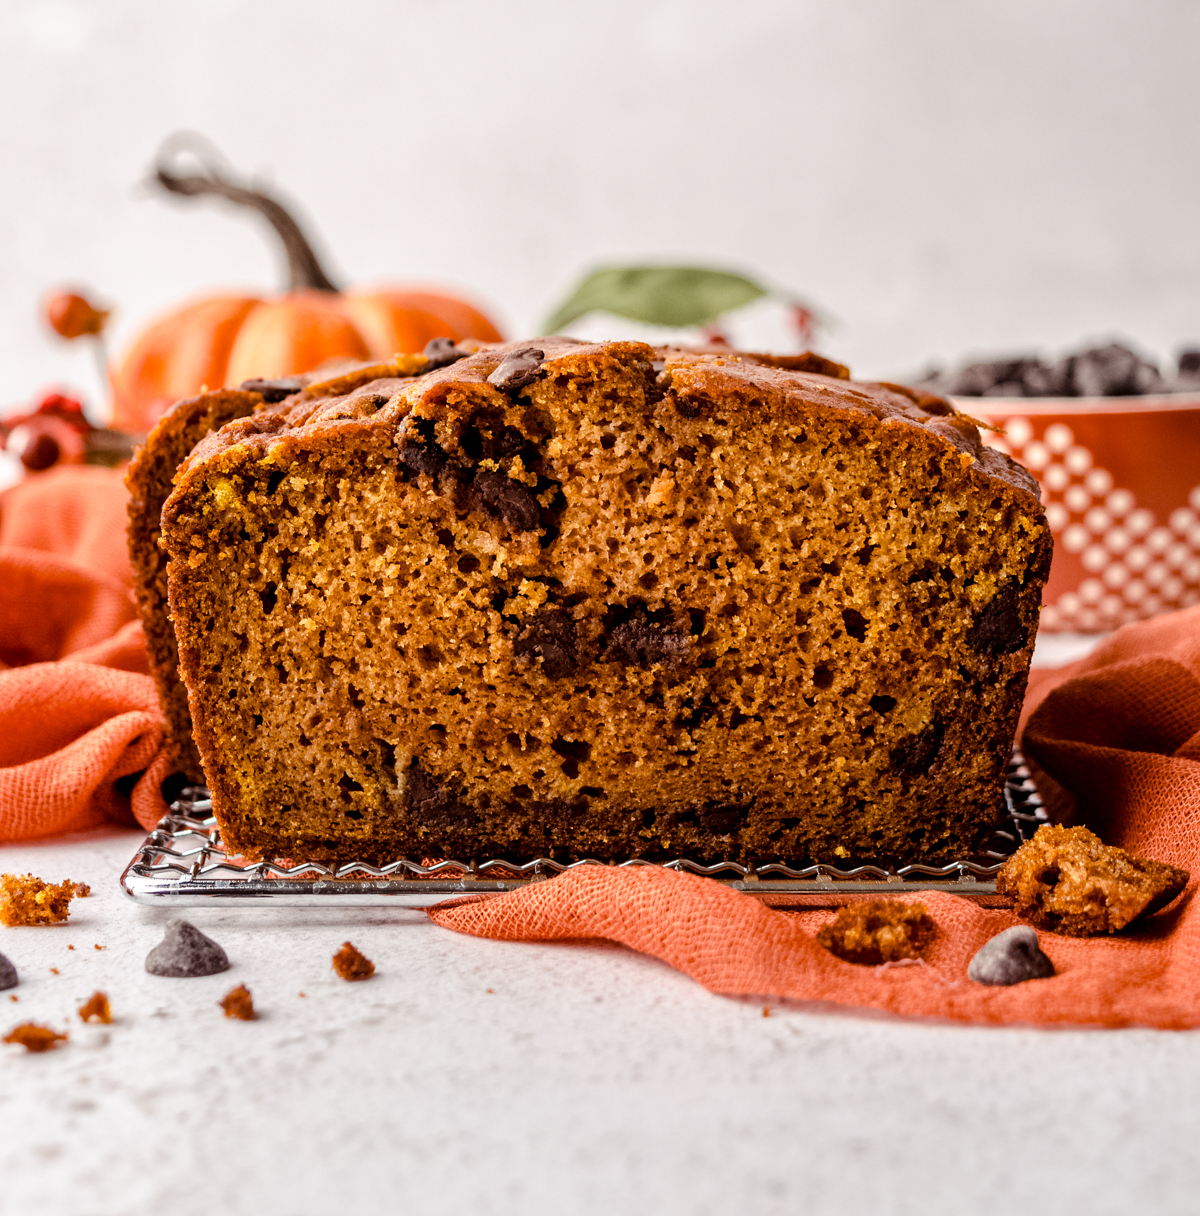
(79, 716)
(1116, 739)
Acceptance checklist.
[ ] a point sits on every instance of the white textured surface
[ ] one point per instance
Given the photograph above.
(590, 1079)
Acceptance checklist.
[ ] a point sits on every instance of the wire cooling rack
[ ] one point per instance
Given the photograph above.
(183, 862)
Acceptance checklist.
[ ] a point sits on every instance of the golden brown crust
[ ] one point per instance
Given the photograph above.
(521, 605)
(1066, 880)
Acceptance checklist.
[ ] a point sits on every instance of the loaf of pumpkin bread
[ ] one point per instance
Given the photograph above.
(610, 601)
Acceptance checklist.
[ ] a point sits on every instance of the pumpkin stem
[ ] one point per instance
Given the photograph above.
(305, 271)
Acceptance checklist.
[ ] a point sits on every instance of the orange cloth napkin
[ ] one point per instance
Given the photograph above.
(79, 716)
(1117, 733)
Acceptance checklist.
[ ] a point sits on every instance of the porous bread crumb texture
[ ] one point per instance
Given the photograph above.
(238, 1003)
(96, 1008)
(652, 604)
(1067, 881)
(33, 1037)
(351, 964)
(149, 480)
(27, 900)
(878, 931)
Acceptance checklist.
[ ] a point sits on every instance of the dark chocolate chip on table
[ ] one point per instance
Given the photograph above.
(1009, 958)
(8, 974)
(185, 952)
(441, 352)
(518, 368)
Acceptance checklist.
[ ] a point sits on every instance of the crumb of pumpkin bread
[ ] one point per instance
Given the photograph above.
(878, 931)
(563, 600)
(238, 1003)
(1068, 881)
(82, 890)
(351, 964)
(33, 1037)
(26, 900)
(96, 1008)
(150, 478)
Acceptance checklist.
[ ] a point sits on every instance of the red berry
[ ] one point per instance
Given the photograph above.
(73, 316)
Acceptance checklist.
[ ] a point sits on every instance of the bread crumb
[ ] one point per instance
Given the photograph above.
(237, 1003)
(96, 1006)
(1066, 880)
(70, 947)
(33, 1037)
(54, 971)
(99, 947)
(303, 995)
(27, 900)
(82, 890)
(766, 1011)
(878, 931)
(351, 964)
(14, 997)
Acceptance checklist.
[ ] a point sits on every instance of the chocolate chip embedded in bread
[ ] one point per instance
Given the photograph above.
(273, 390)
(441, 352)
(998, 628)
(510, 500)
(434, 806)
(518, 368)
(914, 754)
(550, 635)
(423, 458)
(722, 818)
(641, 642)
(1010, 958)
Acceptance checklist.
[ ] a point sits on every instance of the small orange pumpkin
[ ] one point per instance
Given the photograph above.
(220, 341)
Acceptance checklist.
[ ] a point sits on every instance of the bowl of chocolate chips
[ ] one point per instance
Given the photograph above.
(1114, 441)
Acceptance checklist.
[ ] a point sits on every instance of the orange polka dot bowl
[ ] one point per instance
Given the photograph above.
(1120, 480)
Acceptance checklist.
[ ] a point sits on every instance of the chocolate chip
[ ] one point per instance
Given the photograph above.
(510, 442)
(518, 368)
(1010, 957)
(441, 352)
(640, 643)
(998, 628)
(510, 500)
(423, 459)
(273, 390)
(434, 805)
(914, 755)
(550, 635)
(722, 818)
(184, 952)
(8, 974)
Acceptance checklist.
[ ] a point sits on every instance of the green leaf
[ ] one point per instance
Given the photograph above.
(676, 296)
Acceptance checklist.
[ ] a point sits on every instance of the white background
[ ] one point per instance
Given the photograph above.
(942, 177)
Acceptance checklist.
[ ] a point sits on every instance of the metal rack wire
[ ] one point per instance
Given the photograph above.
(184, 862)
